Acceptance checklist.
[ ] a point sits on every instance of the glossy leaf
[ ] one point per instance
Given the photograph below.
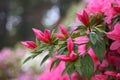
(87, 66)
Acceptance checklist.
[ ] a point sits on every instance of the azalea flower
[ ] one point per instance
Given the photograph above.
(115, 35)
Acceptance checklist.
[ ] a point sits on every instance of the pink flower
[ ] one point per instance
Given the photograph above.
(55, 74)
(99, 77)
(84, 18)
(115, 35)
(113, 57)
(45, 37)
(29, 44)
(63, 30)
(110, 73)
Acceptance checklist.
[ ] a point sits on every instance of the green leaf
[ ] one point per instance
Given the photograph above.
(93, 37)
(55, 62)
(38, 42)
(69, 68)
(78, 65)
(97, 44)
(61, 50)
(99, 49)
(44, 59)
(28, 58)
(87, 66)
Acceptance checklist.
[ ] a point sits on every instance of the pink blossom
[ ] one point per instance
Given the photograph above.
(29, 44)
(115, 35)
(113, 57)
(99, 77)
(55, 74)
(84, 18)
(110, 73)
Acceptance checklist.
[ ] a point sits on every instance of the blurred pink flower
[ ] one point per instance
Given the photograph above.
(99, 77)
(4, 53)
(55, 74)
(115, 35)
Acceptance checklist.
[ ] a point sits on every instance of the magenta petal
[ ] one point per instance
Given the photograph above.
(82, 49)
(81, 40)
(73, 55)
(110, 73)
(115, 45)
(115, 34)
(47, 34)
(60, 36)
(63, 58)
(70, 45)
(63, 30)
(29, 44)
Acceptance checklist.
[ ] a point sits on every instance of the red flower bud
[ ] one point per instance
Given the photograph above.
(84, 18)
(60, 36)
(63, 30)
(40, 35)
(70, 45)
(47, 34)
(29, 44)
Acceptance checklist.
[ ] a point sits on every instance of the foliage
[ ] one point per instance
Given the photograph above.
(91, 48)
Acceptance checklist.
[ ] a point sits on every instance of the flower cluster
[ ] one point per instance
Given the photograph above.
(92, 49)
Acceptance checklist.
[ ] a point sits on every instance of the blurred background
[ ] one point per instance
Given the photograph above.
(17, 18)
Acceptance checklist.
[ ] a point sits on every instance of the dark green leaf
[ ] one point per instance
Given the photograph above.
(97, 44)
(68, 69)
(93, 37)
(77, 65)
(44, 59)
(55, 62)
(38, 42)
(99, 49)
(61, 50)
(87, 66)
(28, 58)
